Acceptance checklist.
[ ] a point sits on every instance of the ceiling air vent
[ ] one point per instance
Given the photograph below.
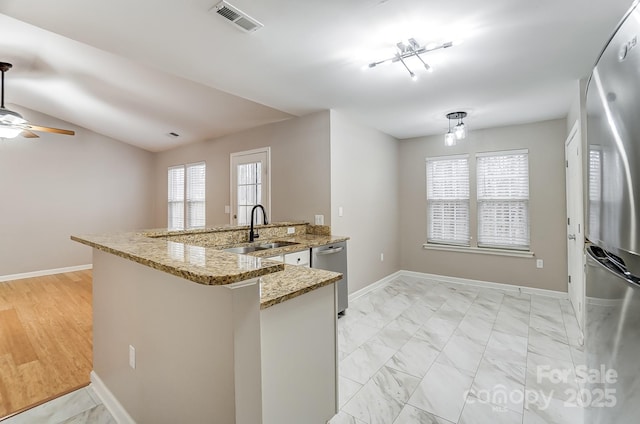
(237, 17)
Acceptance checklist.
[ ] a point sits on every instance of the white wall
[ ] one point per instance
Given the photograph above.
(364, 182)
(57, 185)
(300, 163)
(547, 207)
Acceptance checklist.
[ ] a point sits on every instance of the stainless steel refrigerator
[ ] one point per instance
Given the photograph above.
(611, 390)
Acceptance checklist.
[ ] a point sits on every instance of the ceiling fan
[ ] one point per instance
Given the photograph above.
(13, 124)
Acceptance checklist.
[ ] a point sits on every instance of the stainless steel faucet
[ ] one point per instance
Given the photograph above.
(254, 235)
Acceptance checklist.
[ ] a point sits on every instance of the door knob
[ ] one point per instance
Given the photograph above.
(572, 236)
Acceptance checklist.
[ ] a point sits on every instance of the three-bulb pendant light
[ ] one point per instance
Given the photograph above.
(459, 131)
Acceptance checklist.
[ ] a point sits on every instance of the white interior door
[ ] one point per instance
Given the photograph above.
(575, 222)
(250, 185)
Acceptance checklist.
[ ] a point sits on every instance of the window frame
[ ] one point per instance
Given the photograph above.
(473, 246)
(513, 200)
(187, 199)
(450, 202)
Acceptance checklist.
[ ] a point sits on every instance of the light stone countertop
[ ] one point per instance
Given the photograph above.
(294, 281)
(198, 264)
(212, 266)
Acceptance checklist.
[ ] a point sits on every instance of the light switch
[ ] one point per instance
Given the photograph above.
(319, 219)
(132, 357)
(340, 211)
(227, 209)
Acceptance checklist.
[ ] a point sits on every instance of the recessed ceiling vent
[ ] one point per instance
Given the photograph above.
(237, 17)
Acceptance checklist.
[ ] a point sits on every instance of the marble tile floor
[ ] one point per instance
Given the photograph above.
(79, 407)
(422, 351)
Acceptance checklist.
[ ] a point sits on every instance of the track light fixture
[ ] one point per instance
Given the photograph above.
(459, 131)
(409, 49)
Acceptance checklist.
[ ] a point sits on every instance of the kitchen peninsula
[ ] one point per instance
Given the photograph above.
(187, 332)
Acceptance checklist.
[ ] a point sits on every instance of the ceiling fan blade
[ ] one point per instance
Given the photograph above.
(29, 134)
(48, 129)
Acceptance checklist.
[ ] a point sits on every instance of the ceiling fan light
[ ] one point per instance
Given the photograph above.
(8, 132)
(460, 131)
(449, 139)
(10, 117)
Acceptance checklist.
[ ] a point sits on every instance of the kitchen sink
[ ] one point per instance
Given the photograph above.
(264, 246)
(276, 244)
(245, 249)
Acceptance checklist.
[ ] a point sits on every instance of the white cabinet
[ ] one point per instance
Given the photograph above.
(299, 359)
(298, 258)
(302, 258)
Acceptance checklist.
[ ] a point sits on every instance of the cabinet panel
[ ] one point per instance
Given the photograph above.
(298, 258)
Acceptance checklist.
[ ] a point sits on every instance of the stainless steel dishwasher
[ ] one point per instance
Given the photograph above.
(333, 257)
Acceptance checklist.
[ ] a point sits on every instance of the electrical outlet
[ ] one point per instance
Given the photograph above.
(319, 220)
(382, 257)
(539, 263)
(227, 209)
(132, 357)
(291, 230)
(340, 211)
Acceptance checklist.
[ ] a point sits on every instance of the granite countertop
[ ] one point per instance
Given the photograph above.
(294, 281)
(197, 264)
(213, 266)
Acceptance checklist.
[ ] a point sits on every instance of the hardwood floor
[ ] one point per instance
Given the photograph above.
(45, 338)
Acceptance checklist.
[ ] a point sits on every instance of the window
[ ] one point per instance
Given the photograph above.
(176, 198)
(186, 196)
(448, 200)
(503, 199)
(595, 191)
(249, 190)
(249, 184)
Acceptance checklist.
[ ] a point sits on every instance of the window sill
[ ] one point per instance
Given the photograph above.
(480, 250)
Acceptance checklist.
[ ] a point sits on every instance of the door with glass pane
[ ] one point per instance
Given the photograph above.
(250, 183)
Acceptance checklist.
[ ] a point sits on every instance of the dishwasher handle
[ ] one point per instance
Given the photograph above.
(330, 251)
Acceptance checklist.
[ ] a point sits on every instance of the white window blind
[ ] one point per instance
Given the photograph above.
(595, 192)
(175, 212)
(249, 191)
(195, 195)
(503, 199)
(186, 196)
(448, 200)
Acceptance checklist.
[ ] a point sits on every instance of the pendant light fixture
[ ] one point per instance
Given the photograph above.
(459, 131)
(449, 137)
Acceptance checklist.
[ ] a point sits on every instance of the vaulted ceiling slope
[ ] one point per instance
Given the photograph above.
(136, 70)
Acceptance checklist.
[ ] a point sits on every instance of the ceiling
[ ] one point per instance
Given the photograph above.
(137, 70)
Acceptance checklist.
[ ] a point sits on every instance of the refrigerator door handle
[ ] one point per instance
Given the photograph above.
(617, 262)
(619, 271)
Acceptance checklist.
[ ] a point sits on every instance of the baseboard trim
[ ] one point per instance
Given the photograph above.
(485, 284)
(380, 283)
(109, 401)
(44, 272)
(455, 280)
